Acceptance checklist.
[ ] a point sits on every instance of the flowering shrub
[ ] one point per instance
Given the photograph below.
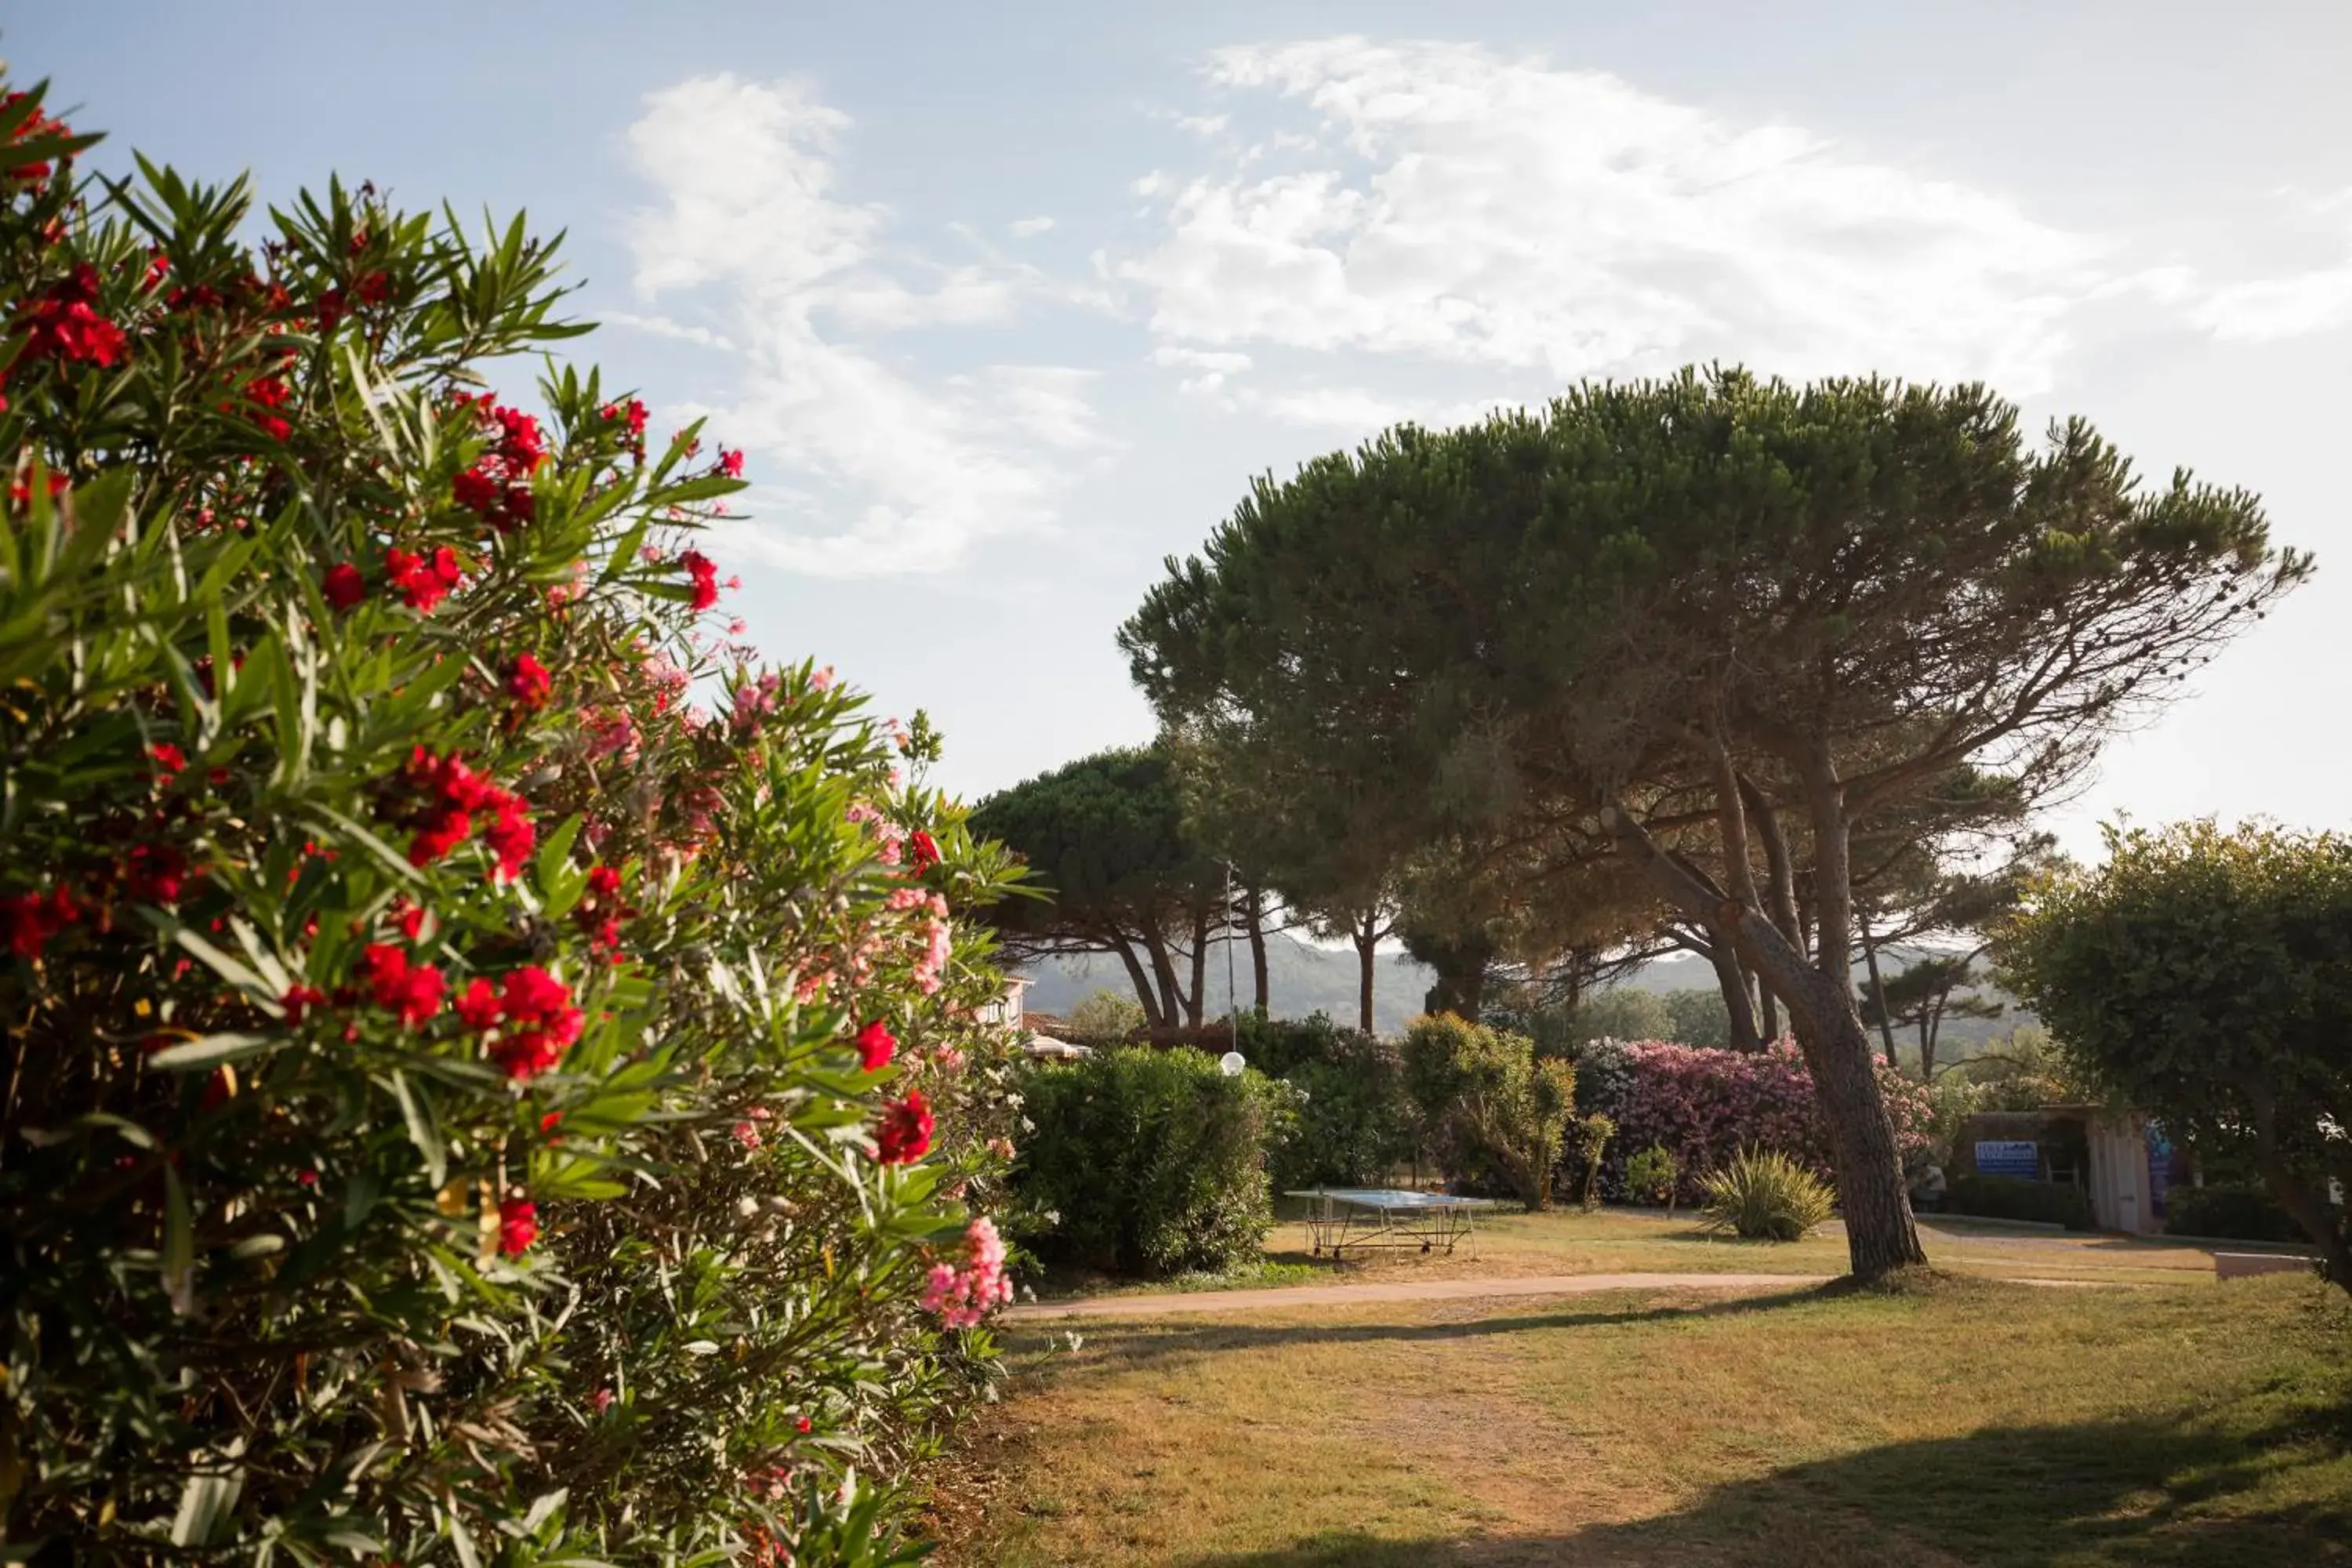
(491, 1070)
(1703, 1106)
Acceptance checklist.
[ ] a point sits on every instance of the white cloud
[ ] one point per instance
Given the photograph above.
(1224, 362)
(1026, 227)
(663, 327)
(1357, 411)
(1500, 213)
(2270, 309)
(869, 465)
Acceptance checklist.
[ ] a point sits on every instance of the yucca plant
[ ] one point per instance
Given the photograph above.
(1764, 1196)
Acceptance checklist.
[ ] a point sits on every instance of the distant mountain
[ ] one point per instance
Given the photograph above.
(1303, 979)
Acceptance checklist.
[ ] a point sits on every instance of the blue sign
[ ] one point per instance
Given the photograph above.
(2009, 1157)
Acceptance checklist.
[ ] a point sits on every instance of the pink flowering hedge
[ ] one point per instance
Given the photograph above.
(491, 1070)
(1704, 1105)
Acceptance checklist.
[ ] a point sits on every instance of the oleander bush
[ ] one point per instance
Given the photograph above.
(491, 1074)
(1703, 1106)
(1148, 1162)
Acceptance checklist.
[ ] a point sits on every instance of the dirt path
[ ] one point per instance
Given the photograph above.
(1278, 1296)
(1275, 1297)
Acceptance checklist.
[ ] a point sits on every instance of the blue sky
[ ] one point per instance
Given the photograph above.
(1007, 304)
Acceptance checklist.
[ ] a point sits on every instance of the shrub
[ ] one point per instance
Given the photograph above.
(1592, 1136)
(2015, 1197)
(1703, 1106)
(2229, 1212)
(1481, 1094)
(1353, 1124)
(1653, 1177)
(1764, 1196)
(1274, 1046)
(1107, 1017)
(469, 1099)
(1148, 1162)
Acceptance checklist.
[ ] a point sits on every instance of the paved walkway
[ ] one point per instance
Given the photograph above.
(1274, 1298)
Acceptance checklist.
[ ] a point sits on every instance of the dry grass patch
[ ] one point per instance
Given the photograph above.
(1952, 1422)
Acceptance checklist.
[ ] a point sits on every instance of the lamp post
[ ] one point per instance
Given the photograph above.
(1232, 1008)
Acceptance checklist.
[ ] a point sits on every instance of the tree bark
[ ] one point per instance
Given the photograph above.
(1195, 1003)
(1163, 970)
(2302, 1205)
(1880, 1235)
(1254, 909)
(1152, 1017)
(1733, 982)
(1367, 937)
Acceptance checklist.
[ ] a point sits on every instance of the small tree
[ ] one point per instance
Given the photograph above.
(2207, 976)
(1593, 1135)
(1482, 1092)
(1109, 1017)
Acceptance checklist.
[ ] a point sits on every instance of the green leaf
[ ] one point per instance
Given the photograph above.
(421, 1130)
(214, 1049)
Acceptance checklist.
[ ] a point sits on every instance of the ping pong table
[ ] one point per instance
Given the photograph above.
(1342, 1217)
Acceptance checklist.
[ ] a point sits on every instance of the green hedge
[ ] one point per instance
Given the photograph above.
(1148, 1162)
(2230, 1212)
(2013, 1197)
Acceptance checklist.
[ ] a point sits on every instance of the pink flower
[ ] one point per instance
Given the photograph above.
(963, 1297)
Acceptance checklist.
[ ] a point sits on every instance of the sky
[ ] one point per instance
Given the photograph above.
(1008, 304)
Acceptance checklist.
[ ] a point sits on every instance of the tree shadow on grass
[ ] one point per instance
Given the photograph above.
(2165, 1494)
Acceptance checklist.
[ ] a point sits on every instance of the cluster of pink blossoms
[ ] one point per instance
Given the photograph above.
(963, 1297)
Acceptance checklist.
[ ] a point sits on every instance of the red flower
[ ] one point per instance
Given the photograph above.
(924, 850)
(268, 393)
(528, 682)
(518, 1226)
(534, 1017)
(169, 759)
(20, 493)
(477, 491)
(65, 323)
(730, 463)
(903, 1135)
(705, 572)
(374, 287)
(156, 873)
(605, 882)
(29, 919)
(511, 838)
(800, 1424)
(633, 410)
(415, 990)
(478, 1007)
(409, 917)
(424, 581)
(297, 1002)
(549, 1123)
(342, 585)
(876, 1045)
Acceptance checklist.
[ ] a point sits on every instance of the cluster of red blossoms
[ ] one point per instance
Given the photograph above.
(601, 910)
(903, 1135)
(705, 572)
(36, 124)
(528, 683)
(400, 985)
(27, 920)
(448, 795)
(518, 1226)
(496, 488)
(62, 322)
(424, 581)
(532, 1016)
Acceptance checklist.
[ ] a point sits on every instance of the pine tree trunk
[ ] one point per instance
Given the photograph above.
(1878, 988)
(1144, 992)
(1196, 1003)
(1733, 982)
(1163, 971)
(1365, 944)
(1880, 1234)
(1261, 991)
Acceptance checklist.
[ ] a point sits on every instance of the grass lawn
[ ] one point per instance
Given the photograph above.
(1968, 1422)
(1567, 1241)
